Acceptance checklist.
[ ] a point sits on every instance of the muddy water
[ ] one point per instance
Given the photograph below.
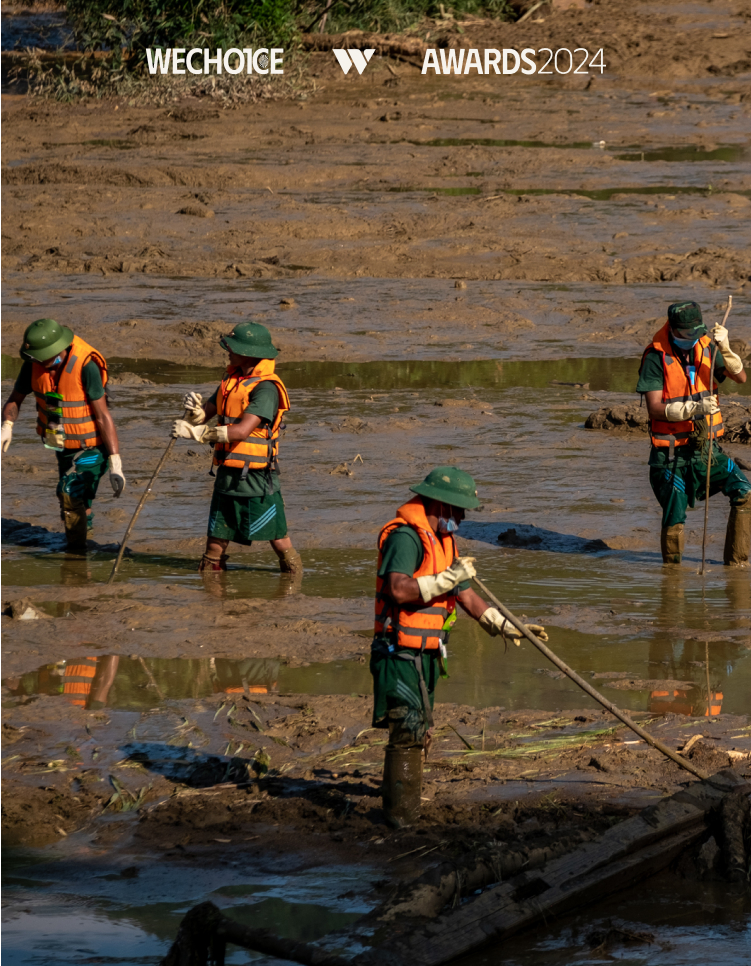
(131, 914)
(681, 923)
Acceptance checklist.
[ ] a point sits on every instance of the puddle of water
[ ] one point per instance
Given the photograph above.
(494, 143)
(606, 616)
(65, 912)
(612, 375)
(690, 153)
(688, 922)
(437, 191)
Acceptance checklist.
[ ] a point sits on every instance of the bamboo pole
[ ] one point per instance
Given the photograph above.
(711, 448)
(585, 686)
(159, 465)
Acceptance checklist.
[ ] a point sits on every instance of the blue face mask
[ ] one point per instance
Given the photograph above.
(684, 344)
(55, 362)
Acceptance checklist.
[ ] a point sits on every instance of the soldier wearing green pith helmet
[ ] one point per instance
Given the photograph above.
(420, 580)
(684, 420)
(250, 403)
(68, 378)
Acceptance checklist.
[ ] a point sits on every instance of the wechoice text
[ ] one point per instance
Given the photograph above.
(180, 60)
(509, 61)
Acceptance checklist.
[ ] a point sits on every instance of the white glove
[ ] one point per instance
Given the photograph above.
(434, 585)
(7, 434)
(676, 412)
(117, 479)
(193, 404)
(495, 623)
(733, 363)
(182, 429)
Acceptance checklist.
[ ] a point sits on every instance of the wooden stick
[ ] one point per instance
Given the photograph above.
(532, 10)
(585, 686)
(711, 447)
(159, 465)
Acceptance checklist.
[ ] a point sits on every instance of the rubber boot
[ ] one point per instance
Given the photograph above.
(738, 534)
(402, 785)
(671, 543)
(290, 562)
(213, 563)
(74, 519)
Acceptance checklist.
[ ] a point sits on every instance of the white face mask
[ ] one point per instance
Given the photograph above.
(447, 525)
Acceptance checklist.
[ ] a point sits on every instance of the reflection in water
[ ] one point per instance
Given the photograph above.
(109, 681)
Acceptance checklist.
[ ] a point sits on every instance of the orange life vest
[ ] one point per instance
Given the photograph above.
(78, 417)
(78, 680)
(676, 387)
(416, 625)
(260, 450)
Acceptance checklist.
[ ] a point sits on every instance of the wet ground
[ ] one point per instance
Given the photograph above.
(455, 271)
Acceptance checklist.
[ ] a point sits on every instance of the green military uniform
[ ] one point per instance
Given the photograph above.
(244, 509)
(79, 471)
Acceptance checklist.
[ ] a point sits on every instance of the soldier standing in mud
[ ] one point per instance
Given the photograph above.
(68, 378)
(683, 408)
(250, 402)
(419, 582)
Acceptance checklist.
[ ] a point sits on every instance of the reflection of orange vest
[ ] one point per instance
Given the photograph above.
(258, 451)
(416, 624)
(78, 680)
(676, 387)
(78, 417)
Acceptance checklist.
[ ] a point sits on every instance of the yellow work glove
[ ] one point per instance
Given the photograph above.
(733, 363)
(6, 431)
(493, 621)
(182, 429)
(436, 584)
(676, 412)
(193, 405)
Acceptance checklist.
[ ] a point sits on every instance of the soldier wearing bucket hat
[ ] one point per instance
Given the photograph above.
(420, 580)
(68, 378)
(683, 408)
(250, 403)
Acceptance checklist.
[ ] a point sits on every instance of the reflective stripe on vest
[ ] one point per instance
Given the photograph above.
(78, 416)
(78, 680)
(259, 450)
(676, 387)
(416, 625)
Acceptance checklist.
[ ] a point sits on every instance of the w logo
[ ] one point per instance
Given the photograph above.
(360, 58)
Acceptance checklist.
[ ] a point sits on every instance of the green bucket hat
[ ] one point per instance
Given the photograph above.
(250, 339)
(686, 317)
(449, 485)
(44, 339)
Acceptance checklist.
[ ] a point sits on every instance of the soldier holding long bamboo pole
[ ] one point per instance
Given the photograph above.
(684, 421)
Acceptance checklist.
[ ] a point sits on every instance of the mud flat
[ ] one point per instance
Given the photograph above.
(456, 270)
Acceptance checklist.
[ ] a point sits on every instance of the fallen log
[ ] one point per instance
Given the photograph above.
(626, 853)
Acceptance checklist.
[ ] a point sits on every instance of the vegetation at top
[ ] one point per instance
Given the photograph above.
(135, 25)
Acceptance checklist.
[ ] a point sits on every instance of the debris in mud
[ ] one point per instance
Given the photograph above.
(24, 610)
(623, 418)
(129, 379)
(196, 211)
(341, 470)
(612, 933)
(510, 538)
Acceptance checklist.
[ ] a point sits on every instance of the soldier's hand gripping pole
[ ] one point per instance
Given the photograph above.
(149, 485)
(585, 686)
(711, 442)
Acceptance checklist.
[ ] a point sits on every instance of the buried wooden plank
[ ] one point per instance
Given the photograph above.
(633, 850)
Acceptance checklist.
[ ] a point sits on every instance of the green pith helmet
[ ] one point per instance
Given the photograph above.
(44, 339)
(687, 317)
(449, 485)
(250, 339)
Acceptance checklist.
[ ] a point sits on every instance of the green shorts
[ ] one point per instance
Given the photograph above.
(396, 686)
(243, 519)
(80, 471)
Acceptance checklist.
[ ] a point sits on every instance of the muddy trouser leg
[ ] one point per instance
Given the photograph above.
(402, 769)
(669, 486)
(738, 533)
(80, 475)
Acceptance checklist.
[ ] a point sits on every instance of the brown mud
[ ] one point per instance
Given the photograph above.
(499, 272)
